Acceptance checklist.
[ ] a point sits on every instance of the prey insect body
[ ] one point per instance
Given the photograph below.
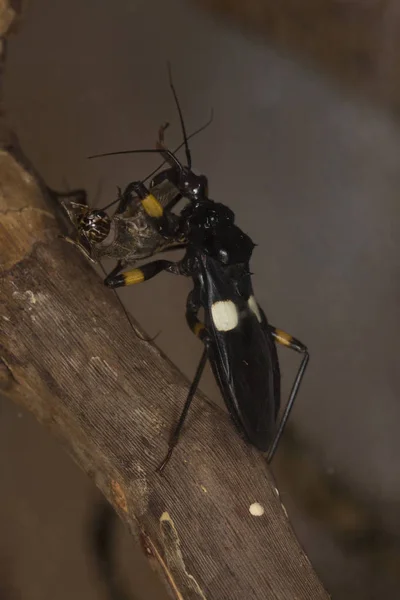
(128, 236)
(239, 342)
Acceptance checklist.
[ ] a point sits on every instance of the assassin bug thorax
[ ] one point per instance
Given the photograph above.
(238, 340)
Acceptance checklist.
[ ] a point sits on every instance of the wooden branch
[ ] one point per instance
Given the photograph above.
(355, 41)
(67, 355)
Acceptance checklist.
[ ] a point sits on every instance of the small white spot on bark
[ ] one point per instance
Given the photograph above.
(254, 308)
(256, 509)
(225, 315)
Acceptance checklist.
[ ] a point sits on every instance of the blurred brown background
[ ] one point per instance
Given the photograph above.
(313, 176)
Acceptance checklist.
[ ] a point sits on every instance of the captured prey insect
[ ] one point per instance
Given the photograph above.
(238, 340)
(129, 235)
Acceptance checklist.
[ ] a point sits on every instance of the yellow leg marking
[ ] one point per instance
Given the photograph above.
(135, 276)
(152, 206)
(283, 338)
(198, 328)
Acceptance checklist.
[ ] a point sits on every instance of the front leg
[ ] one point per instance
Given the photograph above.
(154, 209)
(145, 272)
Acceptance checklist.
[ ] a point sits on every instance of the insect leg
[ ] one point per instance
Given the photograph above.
(153, 208)
(114, 272)
(285, 339)
(175, 436)
(192, 308)
(124, 200)
(145, 272)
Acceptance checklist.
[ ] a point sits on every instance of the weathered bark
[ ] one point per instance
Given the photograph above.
(355, 41)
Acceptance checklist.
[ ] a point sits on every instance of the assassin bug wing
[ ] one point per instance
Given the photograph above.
(242, 354)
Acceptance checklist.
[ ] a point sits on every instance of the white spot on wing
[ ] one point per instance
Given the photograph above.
(225, 315)
(254, 308)
(256, 509)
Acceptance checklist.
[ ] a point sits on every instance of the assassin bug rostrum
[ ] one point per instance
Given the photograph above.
(238, 340)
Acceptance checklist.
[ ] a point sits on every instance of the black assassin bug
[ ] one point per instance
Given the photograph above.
(238, 340)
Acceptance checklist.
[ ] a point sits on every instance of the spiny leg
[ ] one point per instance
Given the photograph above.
(192, 308)
(285, 339)
(145, 272)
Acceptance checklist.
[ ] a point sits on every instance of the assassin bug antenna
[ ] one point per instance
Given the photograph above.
(170, 155)
(162, 151)
(154, 171)
(178, 106)
(199, 130)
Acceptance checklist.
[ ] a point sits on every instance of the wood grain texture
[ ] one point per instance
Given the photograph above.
(357, 42)
(68, 356)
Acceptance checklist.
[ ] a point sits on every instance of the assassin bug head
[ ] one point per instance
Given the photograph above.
(94, 225)
(193, 186)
